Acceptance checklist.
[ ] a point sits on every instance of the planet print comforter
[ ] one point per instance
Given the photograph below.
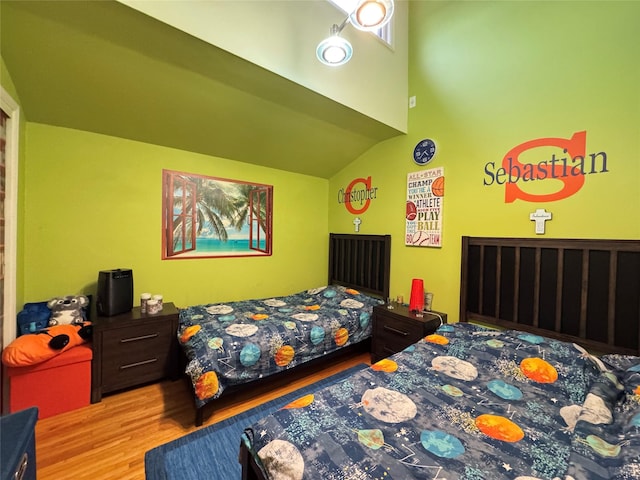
(237, 342)
(465, 403)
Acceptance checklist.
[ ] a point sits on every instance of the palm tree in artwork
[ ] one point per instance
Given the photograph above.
(212, 207)
(242, 203)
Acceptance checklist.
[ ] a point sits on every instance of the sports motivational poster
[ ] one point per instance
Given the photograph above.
(425, 196)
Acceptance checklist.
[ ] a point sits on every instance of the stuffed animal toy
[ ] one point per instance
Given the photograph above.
(34, 348)
(67, 310)
(33, 317)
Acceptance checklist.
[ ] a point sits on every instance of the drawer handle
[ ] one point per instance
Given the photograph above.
(137, 364)
(394, 330)
(24, 463)
(141, 337)
(390, 350)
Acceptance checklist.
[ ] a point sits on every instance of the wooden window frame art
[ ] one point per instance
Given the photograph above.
(213, 217)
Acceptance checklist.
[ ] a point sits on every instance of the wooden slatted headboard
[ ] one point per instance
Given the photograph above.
(584, 291)
(361, 262)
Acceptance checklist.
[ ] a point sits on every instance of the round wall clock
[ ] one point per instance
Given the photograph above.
(424, 152)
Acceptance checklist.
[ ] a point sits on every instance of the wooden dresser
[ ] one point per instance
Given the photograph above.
(134, 348)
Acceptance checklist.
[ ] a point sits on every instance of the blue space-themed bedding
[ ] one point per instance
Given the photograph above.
(465, 403)
(233, 343)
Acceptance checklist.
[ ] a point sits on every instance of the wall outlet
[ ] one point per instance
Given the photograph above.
(412, 101)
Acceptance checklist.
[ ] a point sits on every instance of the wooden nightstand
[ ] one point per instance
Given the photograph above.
(395, 329)
(134, 348)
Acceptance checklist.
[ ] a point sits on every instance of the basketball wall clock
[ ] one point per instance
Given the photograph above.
(424, 151)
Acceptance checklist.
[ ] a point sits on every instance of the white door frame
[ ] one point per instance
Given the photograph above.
(12, 109)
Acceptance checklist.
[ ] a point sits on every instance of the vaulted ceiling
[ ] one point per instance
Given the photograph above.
(103, 67)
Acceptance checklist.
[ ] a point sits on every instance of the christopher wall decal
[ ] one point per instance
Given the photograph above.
(357, 200)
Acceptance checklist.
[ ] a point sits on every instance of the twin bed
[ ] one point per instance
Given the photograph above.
(237, 345)
(524, 402)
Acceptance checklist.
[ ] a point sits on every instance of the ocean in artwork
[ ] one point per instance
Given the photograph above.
(233, 245)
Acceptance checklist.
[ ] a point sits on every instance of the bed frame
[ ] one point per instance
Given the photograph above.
(356, 261)
(362, 262)
(583, 291)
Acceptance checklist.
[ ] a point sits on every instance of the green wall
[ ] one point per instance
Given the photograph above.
(487, 77)
(93, 202)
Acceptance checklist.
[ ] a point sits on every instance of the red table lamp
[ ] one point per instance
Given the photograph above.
(416, 302)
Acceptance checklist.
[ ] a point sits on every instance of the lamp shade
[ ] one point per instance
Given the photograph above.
(334, 51)
(371, 14)
(416, 302)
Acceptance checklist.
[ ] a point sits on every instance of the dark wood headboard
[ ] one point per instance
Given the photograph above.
(583, 291)
(361, 262)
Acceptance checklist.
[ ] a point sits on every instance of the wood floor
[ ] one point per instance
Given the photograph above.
(108, 440)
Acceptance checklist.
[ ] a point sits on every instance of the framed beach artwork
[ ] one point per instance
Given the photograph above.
(206, 217)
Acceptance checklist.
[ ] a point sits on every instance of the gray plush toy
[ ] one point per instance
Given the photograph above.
(67, 310)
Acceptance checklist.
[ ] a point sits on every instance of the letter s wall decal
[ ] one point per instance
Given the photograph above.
(575, 147)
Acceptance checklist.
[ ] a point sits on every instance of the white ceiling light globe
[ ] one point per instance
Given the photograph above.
(334, 54)
(334, 51)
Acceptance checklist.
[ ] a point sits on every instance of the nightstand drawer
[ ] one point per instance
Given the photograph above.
(126, 372)
(129, 340)
(399, 329)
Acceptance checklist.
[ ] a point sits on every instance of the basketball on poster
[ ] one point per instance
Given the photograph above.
(425, 198)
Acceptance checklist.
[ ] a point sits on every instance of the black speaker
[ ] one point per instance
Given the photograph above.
(115, 292)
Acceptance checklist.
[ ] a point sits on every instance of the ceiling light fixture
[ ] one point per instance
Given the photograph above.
(335, 50)
(368, 15)
(371, 14)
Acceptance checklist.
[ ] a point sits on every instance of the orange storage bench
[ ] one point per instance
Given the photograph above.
(57, 385)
